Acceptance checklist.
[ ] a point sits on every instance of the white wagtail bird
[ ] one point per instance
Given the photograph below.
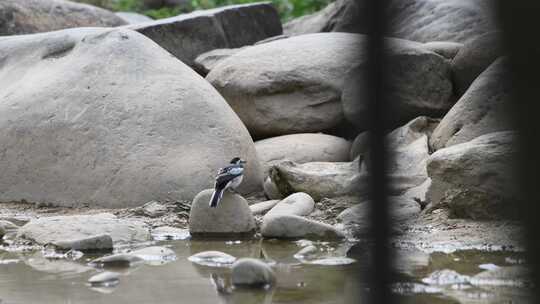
(229, 178)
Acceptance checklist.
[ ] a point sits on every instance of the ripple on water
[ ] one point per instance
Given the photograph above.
(212, 259)
(331, 261)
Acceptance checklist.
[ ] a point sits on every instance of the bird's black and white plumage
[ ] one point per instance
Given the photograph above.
(228, 177)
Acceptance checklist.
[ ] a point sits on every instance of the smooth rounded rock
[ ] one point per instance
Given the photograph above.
(474, 58)
(296, 87)
(418, 83)
(155, 254)
(117, 260)
(252, 272)
(34, 16)
(317, 179)
(205, 62)
(483, 109)
(232, 216)
(263, 207)
(106, 277)
(417, 20)
(98, 242)
(476, 179)
(439, 20)
(293, 226)
(57, 229)
(295, 204)
(212, 259)
(121, 129)
(302, 148)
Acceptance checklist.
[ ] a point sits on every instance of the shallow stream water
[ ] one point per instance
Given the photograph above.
(326, 277)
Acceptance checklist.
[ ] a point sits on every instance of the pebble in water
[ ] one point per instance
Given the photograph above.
(167, 233)
(252, 272)
(446, 277)
(488, 266)
(333, 261)
(212, 259)
(116, 260)
(106, 278)
(155, 255)
(308, 251)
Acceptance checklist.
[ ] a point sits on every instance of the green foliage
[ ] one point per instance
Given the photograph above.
(287, 9)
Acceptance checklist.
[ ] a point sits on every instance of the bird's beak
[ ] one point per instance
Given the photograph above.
(243, 161)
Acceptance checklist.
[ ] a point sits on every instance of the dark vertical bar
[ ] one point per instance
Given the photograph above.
(380, 269)
(520, 26)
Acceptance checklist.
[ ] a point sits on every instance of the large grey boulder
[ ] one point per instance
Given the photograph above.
(232, 216)
(417, 20)
(294, 226)
(338, 16)
(419, 83)
(440, 20)
(476, 179)
(296, 85)
(105, 117)
(57, 229)
(294, 204)
(33, 16)
(300, 82)
(302, 148)
(187, 36)
(483, 109)
(475, 56)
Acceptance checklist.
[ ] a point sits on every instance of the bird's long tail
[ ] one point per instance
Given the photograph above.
(216, 197)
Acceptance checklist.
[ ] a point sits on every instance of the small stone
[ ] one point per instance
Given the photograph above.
(295, 204)
(98, 242)
(105, 278)
(252, 272)
(293, 226)
(117, 260)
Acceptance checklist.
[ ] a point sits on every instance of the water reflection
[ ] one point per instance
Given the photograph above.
(327, 272)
